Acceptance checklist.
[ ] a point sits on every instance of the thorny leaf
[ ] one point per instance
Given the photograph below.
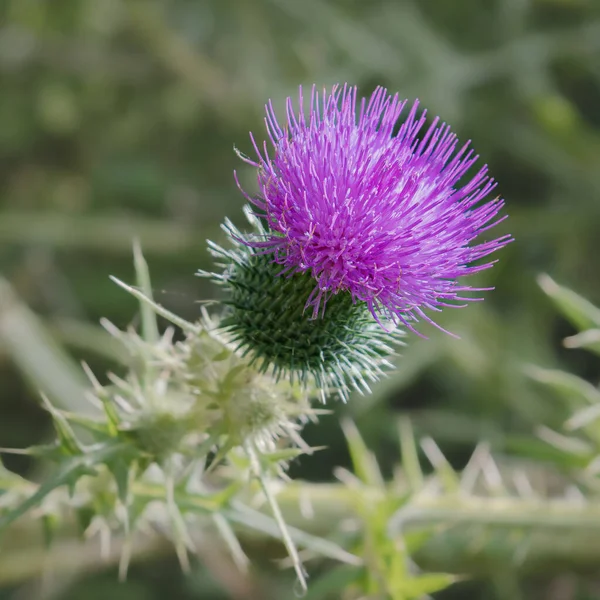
(68, 473)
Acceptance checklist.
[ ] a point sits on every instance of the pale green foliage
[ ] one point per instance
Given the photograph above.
(578, 444)
(188, 416)
(389, 571)
(191, 437)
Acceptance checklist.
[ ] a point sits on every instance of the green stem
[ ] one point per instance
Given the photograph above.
(470, 535)
(279, 518)
(473, 535)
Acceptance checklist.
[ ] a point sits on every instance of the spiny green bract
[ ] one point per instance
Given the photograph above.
(342, 349)
(197, 390)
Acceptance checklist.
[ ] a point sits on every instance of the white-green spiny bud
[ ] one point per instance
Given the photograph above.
(198, 389)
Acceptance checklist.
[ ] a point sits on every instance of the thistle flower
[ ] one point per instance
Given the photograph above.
(370, 209)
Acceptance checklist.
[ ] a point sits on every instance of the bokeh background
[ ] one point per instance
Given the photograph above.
(118, 119)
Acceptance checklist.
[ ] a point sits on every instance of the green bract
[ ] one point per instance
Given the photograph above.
(343, 348)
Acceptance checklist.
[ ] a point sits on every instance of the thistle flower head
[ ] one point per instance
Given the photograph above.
(374, 205)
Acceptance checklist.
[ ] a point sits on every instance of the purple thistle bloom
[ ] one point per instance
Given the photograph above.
(378, 215)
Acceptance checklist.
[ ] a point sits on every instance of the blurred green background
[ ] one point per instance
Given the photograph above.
(118, 120)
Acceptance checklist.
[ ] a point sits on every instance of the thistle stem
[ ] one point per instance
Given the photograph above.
(277, 515)
(478, 535)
